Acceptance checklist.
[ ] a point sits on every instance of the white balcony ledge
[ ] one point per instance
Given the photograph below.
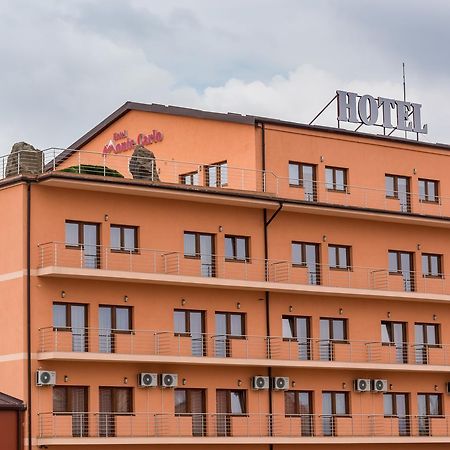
(241, 440)
(224, 283)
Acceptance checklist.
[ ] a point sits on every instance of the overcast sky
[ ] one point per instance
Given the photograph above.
(67, 64)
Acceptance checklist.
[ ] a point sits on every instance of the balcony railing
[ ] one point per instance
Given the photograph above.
(57, 254)
(154, 425)
(221, 176)
(276, 348)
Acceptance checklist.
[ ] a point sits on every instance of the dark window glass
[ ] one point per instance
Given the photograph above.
(116, 400)
(181, 406)
(237, 248)
(339, 257)
(428, 190)
(298, 402)
(60, 403)
(336, 179)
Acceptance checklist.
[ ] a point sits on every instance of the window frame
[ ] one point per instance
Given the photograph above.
(293, 318)
(303, 245)
(228, 315)
(187, 320)
(113, 308)
(390, 328)
(334, 183)
(68, 399)
(427, 403)
(190, 175)
(395, 186)
(243, 401)
(331, 321)
(437, 334)
(399, 262)
(299, 165)
(68, 308)
(336, 248)
(114, 390)
(393, 396)
(428, 257)
(80, 225)
(188, 392)
(219, 166)
(197, 235)
(333, 403)
(122, 239)
(234, 239)
(426, 182)
(297, 403)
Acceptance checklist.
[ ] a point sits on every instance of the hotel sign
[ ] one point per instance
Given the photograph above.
(365, 109)
(120, 141)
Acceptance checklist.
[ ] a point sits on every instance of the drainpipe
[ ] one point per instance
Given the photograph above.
(266, 223)
(29, 311)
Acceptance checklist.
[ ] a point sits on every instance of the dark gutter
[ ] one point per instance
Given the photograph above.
(229, 193)
(29, 311)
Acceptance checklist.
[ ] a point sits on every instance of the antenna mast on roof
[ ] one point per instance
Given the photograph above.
(404, 88)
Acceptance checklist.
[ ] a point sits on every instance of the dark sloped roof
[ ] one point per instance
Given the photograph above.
(11, 403)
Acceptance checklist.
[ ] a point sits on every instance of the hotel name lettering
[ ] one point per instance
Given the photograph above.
(367, 110)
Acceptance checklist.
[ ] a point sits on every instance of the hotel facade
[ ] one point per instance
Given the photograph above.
(248, 283)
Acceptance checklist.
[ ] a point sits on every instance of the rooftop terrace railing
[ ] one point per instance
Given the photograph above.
(166, 262)
(204, 345)
(202, 425)
(222, 176)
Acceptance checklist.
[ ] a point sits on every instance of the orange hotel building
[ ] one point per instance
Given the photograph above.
(258, 284)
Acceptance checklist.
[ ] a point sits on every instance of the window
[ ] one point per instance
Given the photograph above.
(85, 237)
(336, 179)
(306, 254)
(339, 257)
(402, 263)
(428, 191)
(432, 265)
(191, 179)
(394, 333)
(72, 317)
(112, 320)
(228, 326)
(334, 404)
(116, 400)
(237, 248)
(192, 402)
(231, 324)
(426, 336)
(124, 239)
(72, 400)
(297, 328)
(397, 405)
(191, 324)
(299, 403)
(333, 329)
(429, 405)
(303, 176)
(231, 402)
(217, 174)
(197, 244)
(397, 187)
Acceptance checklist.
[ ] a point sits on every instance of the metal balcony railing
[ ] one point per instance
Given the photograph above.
(148, 261)
(222, 176)
(154, 425)
(168, 343)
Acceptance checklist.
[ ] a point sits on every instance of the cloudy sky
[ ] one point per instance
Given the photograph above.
(67, 64)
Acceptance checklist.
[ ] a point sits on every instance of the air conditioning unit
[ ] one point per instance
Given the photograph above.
(169, 380)
(379, 385)
(280, 383)
(148, 379)
(45, 378)
(260, 382)
(362, 385)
